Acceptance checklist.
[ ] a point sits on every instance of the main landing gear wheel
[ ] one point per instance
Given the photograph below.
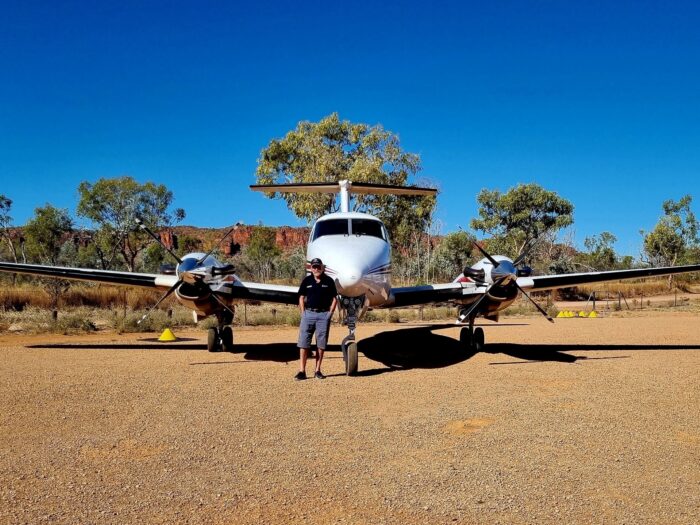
(478, 340)
(465, 338)
(213, 340)
(350, 356)
(226, 336)
(472, 340)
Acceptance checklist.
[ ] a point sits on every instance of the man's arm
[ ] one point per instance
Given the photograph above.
(301, 303)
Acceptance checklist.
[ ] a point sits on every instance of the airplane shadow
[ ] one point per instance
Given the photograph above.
(411, 348)
(532, 353)
(403, 349)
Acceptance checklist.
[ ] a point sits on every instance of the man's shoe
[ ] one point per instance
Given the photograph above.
(319, 375)
(300, 376)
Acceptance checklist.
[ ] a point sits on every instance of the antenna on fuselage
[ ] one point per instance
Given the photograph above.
(345, 188)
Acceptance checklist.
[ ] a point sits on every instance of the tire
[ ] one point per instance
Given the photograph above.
(351, 359)
(478, 340)
(227, 339)
(213, 340)
(465, 339)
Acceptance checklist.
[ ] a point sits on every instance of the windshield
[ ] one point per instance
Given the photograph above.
(367, 227)
(331, 227)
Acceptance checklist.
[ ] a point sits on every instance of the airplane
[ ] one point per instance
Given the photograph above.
(356, 252)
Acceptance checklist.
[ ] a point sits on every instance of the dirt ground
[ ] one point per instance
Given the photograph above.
(582, 421)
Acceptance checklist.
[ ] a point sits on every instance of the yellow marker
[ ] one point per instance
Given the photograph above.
(561, 314)
(167, 335)
(582, 314)
(593, 314)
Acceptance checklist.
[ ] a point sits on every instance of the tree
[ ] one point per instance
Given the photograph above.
(45, 234)
(332, 150)
(675, 237)
(262, 250)
(520, 215)
(452, 254)
(600, 254)
(113, 205)
(48, 241)
(6, 224)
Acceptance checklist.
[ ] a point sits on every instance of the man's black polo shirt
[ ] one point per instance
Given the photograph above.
(319, 295)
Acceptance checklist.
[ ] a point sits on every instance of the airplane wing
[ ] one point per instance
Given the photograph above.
(270, 293)
(148, 280)
(238, 289)
(432, 293)
(437, 293)
(551, 282)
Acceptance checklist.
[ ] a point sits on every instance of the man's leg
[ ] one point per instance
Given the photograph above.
(306, 330)
(319, 358)
(322, 329)
(303, 355)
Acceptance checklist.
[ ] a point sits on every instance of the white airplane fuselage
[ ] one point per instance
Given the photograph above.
(356, 252)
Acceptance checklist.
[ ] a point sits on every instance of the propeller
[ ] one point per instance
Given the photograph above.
(528, 246)
(223, 270)
(472, 308)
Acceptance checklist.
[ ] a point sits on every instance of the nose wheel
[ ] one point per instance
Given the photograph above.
(353, 308)
(350, 355)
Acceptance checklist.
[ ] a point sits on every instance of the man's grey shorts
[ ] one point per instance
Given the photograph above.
(318, 322)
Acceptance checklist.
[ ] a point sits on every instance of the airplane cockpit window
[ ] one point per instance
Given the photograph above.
(331, 227)
(367, 227)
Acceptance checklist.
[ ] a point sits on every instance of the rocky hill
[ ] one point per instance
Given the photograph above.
(286, 237)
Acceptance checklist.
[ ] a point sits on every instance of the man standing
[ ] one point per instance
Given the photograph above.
(317, 302)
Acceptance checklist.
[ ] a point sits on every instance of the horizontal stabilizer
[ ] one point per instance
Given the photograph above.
(352, 187)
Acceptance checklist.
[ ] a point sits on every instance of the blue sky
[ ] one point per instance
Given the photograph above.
(598, 101)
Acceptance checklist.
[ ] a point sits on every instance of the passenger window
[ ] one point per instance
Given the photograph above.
(367, 227)
(331, 227)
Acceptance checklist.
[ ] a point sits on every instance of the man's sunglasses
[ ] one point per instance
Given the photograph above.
(316, 267)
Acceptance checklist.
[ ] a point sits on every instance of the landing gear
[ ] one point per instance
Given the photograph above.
(350, 356)
(227, 339)
(221, 338)
(353, 307)
(213, 340)
(471, 339)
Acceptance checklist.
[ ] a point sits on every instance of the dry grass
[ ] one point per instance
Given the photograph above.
(85, 308)
(98, 296)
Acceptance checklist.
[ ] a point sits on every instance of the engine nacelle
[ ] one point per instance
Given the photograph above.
(475, 274)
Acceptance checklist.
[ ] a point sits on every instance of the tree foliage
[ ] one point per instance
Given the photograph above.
(520, 215)
(453, 254)
(262, 251)
(6, 224)
(113, 205)
(600, 254)
(675, 237)
(48, 241)
(332, 150)
(45, 234)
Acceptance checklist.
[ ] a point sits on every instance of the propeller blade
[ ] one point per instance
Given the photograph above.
(157, 239)
(542, 310)
(165, 296)
(464, 316)
(201, 260)
(222, 303)
(487, 255)
(476, 303)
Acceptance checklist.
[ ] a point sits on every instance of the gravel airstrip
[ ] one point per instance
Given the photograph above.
(583, 421)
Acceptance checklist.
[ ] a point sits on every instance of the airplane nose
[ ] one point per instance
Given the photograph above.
(349, 277)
